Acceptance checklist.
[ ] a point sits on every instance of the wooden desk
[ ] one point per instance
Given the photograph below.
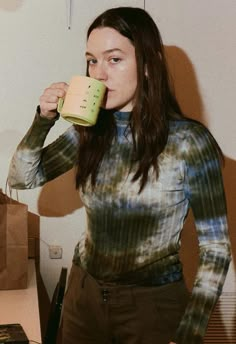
(21, 306)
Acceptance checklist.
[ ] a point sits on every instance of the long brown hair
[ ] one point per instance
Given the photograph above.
(155, 102)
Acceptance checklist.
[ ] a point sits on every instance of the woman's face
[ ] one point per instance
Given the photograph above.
(111, 59)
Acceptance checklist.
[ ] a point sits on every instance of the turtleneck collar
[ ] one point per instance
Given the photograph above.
(122, 116)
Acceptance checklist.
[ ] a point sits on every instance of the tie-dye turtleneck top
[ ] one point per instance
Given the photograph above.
(134, 238)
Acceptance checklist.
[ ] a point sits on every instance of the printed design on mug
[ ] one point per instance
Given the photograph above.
(82, 101)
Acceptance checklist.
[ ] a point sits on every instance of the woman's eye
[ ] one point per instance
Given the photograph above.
(115, 60)
(91, 61)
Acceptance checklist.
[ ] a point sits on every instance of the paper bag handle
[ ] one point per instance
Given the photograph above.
(8, 191)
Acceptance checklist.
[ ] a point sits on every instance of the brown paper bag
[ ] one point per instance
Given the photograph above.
(13, 243)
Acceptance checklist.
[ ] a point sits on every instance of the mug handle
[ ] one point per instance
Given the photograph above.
(60, 104)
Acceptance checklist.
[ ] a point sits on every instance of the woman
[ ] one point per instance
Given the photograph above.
(139, 170)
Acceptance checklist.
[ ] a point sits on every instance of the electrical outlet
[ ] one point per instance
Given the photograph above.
(55, 252)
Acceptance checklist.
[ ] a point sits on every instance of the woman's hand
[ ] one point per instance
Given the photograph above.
(49, 99)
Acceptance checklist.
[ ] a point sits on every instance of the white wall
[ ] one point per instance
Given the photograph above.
(37, 49)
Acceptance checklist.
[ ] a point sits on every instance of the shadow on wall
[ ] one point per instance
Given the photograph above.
(59, 197)
(188, 95)
(11, 5)
(185, 83)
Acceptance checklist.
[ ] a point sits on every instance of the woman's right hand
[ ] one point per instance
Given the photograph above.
(49, 99)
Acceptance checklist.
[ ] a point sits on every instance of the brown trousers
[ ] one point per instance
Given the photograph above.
(94, 313)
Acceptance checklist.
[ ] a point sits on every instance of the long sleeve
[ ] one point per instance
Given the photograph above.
(205, 191)
(33, 165)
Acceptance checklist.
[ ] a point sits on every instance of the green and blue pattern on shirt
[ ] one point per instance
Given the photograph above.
(135, 238)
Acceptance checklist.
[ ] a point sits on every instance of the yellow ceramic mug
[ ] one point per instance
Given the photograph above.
(83, 100)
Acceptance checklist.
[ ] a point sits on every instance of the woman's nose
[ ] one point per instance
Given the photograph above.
(100, 73)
